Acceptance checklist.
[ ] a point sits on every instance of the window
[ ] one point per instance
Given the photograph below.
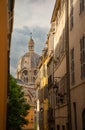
(67, 126)
(75, 115)
(72, 67)
(58, 127)
(81, 6)
(50, 80)
(82, 56)
(83, 120)
(63, 127)
(61, 92)
(71, 14)
(25, 72)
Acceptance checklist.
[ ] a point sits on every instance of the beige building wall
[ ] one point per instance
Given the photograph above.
(78, 86)
(61, 118)
(76, 35)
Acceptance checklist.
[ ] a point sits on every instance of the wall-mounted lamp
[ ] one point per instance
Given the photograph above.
(56, 85)
(41, 109)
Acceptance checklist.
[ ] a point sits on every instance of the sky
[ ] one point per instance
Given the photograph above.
(29, 16)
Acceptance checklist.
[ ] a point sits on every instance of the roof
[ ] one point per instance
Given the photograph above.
(55, 10)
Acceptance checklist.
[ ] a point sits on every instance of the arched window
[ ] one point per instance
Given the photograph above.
(25, 72)
(83, 119)
(25, 76)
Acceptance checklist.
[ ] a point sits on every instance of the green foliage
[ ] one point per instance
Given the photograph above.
(17, 106)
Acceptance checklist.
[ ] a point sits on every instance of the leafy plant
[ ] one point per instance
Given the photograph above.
(17, 106)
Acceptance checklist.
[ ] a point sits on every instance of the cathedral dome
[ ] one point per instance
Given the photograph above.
(27, 66)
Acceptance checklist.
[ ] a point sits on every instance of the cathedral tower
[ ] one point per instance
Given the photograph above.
(31, 44)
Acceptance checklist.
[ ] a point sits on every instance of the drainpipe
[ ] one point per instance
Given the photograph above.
(68, 67)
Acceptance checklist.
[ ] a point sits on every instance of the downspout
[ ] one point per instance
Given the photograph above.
(68, 67)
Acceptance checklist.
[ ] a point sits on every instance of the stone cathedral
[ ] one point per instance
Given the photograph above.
(26, 75)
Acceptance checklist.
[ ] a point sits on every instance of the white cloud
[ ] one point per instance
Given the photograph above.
(33, 12)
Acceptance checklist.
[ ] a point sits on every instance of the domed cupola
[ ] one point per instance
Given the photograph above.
(31, 44)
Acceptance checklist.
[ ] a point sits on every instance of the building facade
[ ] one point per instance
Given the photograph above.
(6, 25)
(77, 62)
(50, 71)
(68, 62)
(42, 93)
(60, 61)
(65, 67)
(26, 76)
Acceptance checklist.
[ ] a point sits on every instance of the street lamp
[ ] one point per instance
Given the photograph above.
(55, 86)
(41, 109)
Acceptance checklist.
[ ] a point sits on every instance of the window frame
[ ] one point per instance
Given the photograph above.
(81, 6)
(72, 67)
(82, 56)
(71, 15)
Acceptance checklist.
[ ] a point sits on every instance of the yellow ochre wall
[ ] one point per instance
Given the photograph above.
(3, 63)
(30, 118)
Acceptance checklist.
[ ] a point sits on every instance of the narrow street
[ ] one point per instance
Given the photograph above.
(42, 70)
